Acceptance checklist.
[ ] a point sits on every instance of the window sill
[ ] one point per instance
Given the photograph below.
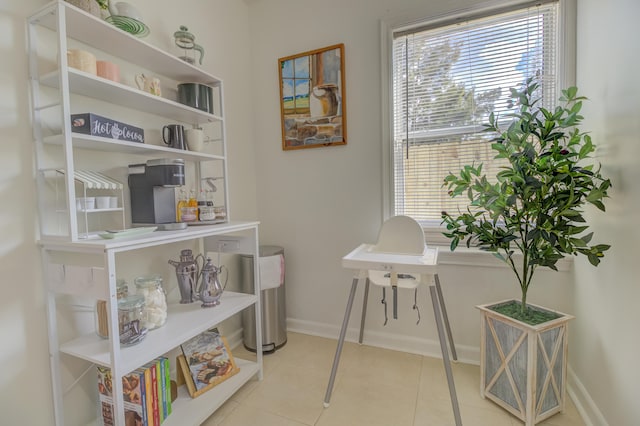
(464, 256)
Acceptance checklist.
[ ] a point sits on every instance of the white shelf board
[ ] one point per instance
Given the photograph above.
(183, 322)
(99, 143)
(86, 84)
(95, 32)
(194, 411)
(99, 245)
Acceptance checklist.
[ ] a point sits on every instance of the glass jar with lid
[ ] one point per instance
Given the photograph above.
(130, 320)
(101, 321)
(155, 310)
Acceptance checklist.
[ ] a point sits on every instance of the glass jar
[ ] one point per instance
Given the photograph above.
(155, 310)
(130, 320)
(101, 321)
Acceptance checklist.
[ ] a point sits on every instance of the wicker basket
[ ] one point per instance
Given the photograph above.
(90, 6)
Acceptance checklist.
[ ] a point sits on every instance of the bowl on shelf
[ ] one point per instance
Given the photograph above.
(130, 25)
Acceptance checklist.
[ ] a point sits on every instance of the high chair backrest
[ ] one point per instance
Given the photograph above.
(400, 235)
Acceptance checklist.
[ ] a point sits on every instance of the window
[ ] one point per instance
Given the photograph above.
(447, 78)
(296, 81)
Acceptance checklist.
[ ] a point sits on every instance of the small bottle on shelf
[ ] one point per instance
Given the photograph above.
(193, 203)
(207, 212)
(182, 202)
(202, 204)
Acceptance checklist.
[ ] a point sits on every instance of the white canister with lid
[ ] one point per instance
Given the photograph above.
(155, 309)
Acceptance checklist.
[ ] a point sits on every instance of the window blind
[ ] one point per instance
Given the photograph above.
(446, 82)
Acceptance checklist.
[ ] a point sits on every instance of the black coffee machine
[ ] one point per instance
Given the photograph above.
(151, 186)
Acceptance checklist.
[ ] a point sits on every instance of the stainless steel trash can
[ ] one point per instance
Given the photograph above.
(274, 314)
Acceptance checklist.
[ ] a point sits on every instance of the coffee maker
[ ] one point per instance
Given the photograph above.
(152, 189)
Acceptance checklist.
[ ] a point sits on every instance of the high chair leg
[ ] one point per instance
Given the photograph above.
(454, 355)
(343, 331)
(445, 355)
(364, 309)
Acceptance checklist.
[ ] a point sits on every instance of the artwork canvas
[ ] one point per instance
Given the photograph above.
(313, 98)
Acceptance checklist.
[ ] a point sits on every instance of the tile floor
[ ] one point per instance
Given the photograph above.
(373, 387)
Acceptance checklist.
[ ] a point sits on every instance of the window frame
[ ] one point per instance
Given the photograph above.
(566, 77)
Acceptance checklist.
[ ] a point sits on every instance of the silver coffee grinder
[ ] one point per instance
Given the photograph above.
(152, 189)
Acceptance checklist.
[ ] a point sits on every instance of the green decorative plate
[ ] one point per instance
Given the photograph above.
(110, 235)
(130, 25)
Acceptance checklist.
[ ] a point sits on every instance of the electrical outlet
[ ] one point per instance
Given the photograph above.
(228, 245)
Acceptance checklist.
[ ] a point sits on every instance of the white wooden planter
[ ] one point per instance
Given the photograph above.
(523, 368)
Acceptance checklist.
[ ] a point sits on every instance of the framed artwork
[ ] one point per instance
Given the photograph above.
(313, 98)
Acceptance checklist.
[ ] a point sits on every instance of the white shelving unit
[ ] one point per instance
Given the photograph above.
(79, 263)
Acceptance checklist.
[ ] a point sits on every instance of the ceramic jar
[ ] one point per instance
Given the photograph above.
(82, 60)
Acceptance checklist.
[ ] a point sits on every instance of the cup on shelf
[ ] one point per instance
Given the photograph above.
(194, 139)
(85, 203)
(82, 60)
(113, 202)
(108, 70)
(102, 202)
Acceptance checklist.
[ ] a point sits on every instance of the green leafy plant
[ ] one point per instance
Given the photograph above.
(534, 206)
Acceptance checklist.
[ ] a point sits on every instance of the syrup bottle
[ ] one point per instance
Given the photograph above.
(193, 202)
(182, 202)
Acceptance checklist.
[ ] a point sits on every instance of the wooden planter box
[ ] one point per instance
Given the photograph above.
(523, 368)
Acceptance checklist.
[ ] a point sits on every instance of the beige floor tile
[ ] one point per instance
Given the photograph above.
(358, 402)
(382, 366)
(373, 387)
(221, 413)
(249, 416)
(290, 391)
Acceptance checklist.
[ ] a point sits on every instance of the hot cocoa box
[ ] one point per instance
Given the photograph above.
(95, 125)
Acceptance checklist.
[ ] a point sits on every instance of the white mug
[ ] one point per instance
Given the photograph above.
(195, 139)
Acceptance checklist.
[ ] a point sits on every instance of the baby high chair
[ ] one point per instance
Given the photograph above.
(399, 259)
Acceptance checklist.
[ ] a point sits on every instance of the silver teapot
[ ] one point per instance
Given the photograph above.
(187, 272)
(210, 290)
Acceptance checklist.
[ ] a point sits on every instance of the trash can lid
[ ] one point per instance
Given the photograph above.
(269, 250)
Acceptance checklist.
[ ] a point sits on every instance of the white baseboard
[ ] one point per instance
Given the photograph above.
(426, 347)
(585, 405)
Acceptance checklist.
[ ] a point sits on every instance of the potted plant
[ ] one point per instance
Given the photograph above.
(529, 215)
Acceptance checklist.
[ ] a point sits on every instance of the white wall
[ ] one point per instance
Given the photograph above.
(221, 27)
(321, 203)
(605, 341)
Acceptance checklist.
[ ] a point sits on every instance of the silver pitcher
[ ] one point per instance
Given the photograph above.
(210, 289)
(187, 272)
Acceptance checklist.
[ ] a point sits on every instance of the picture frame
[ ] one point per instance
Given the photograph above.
(313, 98)
(205, 362)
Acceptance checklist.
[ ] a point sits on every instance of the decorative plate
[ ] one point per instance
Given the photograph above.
(130, 25)
(109, 235)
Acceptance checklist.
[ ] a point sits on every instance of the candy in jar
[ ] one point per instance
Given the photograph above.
(155, 309)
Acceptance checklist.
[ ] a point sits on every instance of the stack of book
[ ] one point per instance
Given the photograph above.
(146, 394)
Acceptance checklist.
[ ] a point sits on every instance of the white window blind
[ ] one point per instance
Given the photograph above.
(446, 81)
